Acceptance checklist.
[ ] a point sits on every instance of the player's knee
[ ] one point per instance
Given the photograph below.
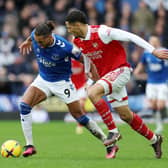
(92, 94)
(24, 108)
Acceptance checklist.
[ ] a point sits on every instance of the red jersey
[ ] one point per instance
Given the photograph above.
(78, 76)
(106, 56)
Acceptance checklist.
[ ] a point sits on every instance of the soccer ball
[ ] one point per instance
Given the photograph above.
(11, 148)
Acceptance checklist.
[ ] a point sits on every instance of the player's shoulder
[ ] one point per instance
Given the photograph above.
(103, 28)
(107, 29)
(62, 42)
(104, 33)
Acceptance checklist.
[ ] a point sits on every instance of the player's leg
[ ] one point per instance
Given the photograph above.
(119, 101)
(152, 93)
(95, 94)
(31, 97)
(75, 110)
(67, 93)
(140, 127)
(108, 84)
(82, 95)
(161, 105)
(91, 125)
(162, 91)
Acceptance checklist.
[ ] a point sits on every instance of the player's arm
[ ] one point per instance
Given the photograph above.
(139, 72)
(108, 34)
(26, 46)
(93, 74)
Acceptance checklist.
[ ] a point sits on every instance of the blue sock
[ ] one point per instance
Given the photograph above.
(83, 120)
(24, 108)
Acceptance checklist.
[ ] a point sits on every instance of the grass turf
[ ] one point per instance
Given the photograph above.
(58, 146)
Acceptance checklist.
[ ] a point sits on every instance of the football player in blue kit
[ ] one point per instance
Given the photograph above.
(53, 54)
(157, 76)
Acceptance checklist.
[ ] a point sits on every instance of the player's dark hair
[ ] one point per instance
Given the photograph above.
(45, 29)
(76, 15)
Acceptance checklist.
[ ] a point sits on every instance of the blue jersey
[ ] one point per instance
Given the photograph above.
(54, 61)
(157, 69)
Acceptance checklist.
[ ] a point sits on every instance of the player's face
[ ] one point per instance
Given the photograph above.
(153, 40)
(74, 28)
(44, 41)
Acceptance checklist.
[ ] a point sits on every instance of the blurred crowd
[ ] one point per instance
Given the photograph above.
(18, 18)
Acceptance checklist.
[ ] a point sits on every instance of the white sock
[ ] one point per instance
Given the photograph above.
(26, 122)
(158, 120)
(95, 130)
(115, 130)
(153, 139)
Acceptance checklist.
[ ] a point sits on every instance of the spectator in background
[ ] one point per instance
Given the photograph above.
(2, 14)
(156, 89)
(143, 20)
(126, 17)
(6, 46)
(60, 11)
(20, 73)
(93, 16)
(11, 18)
(47, 7)
(79, 4)
(110, 14)
(24, 16)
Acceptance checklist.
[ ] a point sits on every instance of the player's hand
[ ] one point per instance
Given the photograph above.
(25, 47)
(162, 54)
(93, 74)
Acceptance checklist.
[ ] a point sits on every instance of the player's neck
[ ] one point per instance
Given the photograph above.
(84, 31)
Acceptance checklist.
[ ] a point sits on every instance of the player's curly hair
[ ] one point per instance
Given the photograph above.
(45, 29)
(76, 15)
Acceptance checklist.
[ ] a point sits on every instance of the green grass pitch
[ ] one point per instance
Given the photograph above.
(59, 147)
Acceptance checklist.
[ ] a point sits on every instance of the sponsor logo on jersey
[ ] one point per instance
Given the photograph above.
(95, 45)
(95, 54)
(46, 63)
(55, 57)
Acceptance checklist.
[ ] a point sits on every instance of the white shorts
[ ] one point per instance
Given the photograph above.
(65, 90)
(157, 91)
(114, 84)
(81, 92)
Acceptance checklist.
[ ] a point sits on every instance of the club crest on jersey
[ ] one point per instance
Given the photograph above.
(55, 57)
(95, 45)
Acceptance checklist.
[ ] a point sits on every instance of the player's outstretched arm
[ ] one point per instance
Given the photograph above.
(162, 54)
(26, 46)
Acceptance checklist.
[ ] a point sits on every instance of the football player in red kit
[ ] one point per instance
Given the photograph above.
(100, 45)
(78, 77)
